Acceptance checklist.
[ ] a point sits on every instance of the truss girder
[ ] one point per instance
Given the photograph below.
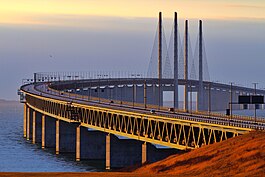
(175, 133)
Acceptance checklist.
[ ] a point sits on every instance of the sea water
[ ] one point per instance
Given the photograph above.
(19, 155)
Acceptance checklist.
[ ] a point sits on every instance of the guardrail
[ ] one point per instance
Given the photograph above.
(156, 107)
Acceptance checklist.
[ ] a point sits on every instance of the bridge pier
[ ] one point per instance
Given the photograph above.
(38, 127)
(67, 137)
(25, 121)
(92, 144)
(49, 132)
(57, 136)
(122, 152)
(154, 154)
(77, 147)
(128, 152)
(144, 152)
(43, 131)
(33, 127)
(28, 123)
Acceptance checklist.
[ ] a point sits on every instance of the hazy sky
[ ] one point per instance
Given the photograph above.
(113, 35)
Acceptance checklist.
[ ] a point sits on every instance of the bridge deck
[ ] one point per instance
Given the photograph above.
(173, 129)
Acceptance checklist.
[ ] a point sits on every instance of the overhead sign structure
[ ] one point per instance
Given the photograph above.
(243, 99)
(251, 99)
(257, 99)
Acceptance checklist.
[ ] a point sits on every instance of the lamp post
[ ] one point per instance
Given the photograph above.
(231, 100)
(255, 92)
(190, 98)
(209, 98)
(145, 96)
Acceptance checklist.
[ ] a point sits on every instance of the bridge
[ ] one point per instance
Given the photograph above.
(122, 118)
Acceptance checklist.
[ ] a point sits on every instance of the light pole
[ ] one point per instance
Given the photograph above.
(209, 98)
(145, 96)
(133, 89)
(190, 98)
(255, 92)
(231, 100)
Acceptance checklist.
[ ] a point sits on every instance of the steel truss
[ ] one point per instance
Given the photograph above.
(165, 131)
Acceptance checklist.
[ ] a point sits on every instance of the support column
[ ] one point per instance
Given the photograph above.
(176, 61)
(57, 136)
(50, 132)
(186, 67)
(77, 150)
(28, 116)
(144, 153)
(34, 127)
(25, 121)
(108, 152)
(43, 131)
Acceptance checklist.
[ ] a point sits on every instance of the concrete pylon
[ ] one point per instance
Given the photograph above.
(176, 61)
(200, 101)
(159, 59)
(25, 121)
(186, 67)
(160, 46)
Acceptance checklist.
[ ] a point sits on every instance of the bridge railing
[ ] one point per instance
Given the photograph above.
(155, 107)
(69, 76)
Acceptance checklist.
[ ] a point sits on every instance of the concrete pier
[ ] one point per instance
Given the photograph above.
(57, 137)
(25, 121)
(38, 127)
(77, 149)
(128, 152)
(67, 140)
(34, 127)
(28, 123)
(92, 144)
(43, 131)
(144, 153)
(50, 133)
(122, 152)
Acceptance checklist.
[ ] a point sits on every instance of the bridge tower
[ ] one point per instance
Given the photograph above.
(159, 59)
(186, 67)
(200, 96)
(176, 61)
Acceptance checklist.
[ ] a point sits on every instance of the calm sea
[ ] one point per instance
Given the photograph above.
(19, 155)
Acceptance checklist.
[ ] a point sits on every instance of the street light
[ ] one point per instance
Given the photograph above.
(209, 98)
(231, 100)
(255, 92)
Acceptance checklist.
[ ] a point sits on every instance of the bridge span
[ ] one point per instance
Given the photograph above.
(82, 117)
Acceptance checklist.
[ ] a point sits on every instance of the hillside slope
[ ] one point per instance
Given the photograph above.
(243, 156)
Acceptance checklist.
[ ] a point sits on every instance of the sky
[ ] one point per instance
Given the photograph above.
(118, 35)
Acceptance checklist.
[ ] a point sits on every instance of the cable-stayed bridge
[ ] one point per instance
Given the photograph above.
(89, 113)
